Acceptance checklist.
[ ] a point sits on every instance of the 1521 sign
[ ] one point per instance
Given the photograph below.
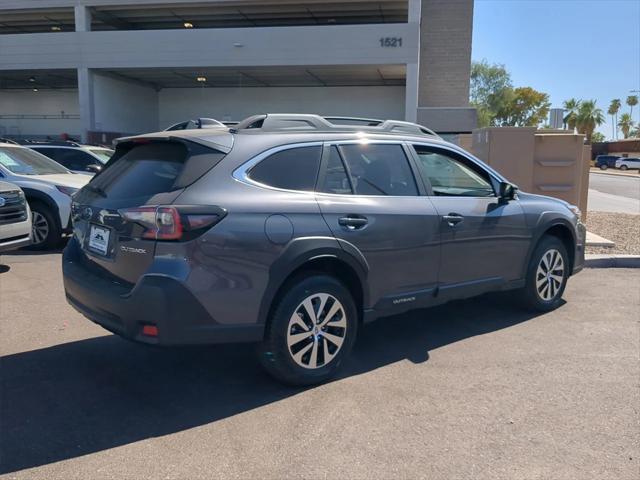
(391, 42)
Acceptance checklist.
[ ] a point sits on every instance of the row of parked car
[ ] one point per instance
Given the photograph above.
(613, 161)
(37, 180)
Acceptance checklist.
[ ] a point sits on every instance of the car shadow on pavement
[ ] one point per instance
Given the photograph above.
(82, 397)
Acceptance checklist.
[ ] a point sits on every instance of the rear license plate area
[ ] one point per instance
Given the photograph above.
(98, 240)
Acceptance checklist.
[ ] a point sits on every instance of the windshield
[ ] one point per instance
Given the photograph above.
(23, 161)
(103, 154)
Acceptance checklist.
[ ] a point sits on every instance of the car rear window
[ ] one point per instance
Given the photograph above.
(152, 168)
(291, 169)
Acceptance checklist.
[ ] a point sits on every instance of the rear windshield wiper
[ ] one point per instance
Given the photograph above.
(94, 189)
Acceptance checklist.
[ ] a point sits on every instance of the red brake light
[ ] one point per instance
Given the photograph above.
(171, 223)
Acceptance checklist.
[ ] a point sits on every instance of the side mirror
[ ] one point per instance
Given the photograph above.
(507, 191)
(94, 168)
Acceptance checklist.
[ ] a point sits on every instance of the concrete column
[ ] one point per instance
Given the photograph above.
(445, 66)
(411, 92)
(83, 18)
(86, 102)
(415, 7)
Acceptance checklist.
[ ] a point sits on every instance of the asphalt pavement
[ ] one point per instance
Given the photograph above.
(476, 389)
(614, 193)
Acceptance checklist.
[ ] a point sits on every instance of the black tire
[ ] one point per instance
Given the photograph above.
(624, 167)
(531, 296)
(275, 354)
(42, 215)
(603, 166)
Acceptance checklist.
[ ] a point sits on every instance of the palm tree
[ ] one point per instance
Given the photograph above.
(632, 101)
(571, 106)
(588, 118)
(614, 108)
(625, 124)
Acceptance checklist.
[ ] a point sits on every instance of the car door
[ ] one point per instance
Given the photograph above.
(484, 238)
(369, 197)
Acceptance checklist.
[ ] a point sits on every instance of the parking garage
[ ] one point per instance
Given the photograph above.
(100, 69)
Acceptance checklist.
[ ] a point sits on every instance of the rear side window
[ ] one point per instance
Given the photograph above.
(378, 169)
(144, 170)
(291, 169)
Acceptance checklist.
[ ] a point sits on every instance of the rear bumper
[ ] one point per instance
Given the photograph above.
(157, 300)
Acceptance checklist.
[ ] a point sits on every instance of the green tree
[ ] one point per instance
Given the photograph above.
(597, 137)
(626, 124)
(522, 107)
(571, 107)
(632, 101)
(589, 118)
(488, 85)
(614, 108)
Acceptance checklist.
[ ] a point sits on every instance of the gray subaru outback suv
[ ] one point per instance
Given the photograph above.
(295, 230)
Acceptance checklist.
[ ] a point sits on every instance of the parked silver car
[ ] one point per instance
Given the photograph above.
(15, 218)
(625, 163)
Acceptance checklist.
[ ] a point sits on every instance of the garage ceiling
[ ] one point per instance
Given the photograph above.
(40, 79)
(216, 77)
(285, 76)
(228, 14)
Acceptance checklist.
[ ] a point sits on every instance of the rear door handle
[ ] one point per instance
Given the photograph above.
(453, 219)
(352, 222)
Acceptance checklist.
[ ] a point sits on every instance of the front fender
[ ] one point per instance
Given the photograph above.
(546, 221)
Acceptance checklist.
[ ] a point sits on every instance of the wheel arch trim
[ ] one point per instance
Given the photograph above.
(303, 250)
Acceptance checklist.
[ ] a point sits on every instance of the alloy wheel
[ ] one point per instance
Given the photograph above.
(550, 275)
(316, 331)
(39, 228)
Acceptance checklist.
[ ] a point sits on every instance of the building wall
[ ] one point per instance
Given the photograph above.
(123, 106)
(52, 103)
(177, 104)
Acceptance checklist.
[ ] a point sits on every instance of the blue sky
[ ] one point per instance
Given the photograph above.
(587, 49)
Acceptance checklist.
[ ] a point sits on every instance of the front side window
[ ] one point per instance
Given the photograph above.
(452, 176)
(378, 169)
(291, 169)
(23, 161)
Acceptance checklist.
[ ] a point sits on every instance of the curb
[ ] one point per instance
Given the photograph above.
(612, 174)
(612, 261)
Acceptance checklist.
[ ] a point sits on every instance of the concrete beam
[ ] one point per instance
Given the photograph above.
(321, 45)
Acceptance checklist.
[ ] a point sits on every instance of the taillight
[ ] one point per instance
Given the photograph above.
(173, 223)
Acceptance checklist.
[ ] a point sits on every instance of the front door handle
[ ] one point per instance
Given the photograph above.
(453, 219)
(352, 222)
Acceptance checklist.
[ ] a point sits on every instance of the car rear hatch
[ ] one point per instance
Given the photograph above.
(119, 217)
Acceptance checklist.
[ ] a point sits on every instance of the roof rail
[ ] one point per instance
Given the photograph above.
(296, 122)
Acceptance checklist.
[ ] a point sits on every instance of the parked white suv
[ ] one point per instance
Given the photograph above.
(628, 163)
(15, 218)
(47, 187)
